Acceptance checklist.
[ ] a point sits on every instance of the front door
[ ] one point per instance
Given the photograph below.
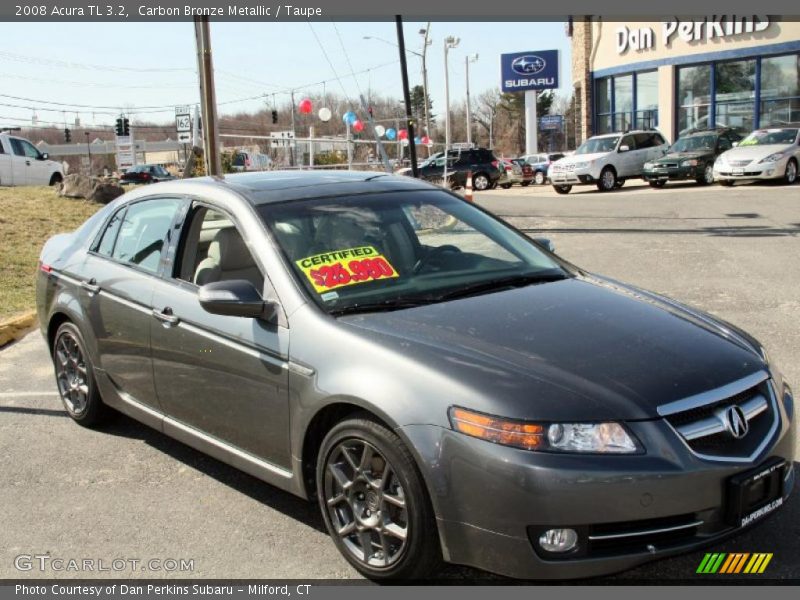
(20, 163)
(225, 376)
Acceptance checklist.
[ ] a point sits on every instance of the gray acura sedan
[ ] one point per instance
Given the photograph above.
(445, 387)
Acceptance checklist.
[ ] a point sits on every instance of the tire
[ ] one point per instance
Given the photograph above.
(539, 178)
(525, 183)
(55, 179)
(620, 183)
(75, 380)
(413, 541)
(562, 189)
(707, 178)
(790, 176)
(506, 186)
(608, 180)
(658, 184)
(726, 182)
(480, 182)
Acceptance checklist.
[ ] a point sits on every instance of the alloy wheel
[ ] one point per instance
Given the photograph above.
(608, 179)
(71, 373)
(791, 172)
(366, 503)
(708, 174)
(481, 182)
(539, 178)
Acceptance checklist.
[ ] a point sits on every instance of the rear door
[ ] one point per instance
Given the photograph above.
(118, 276)
(627, 161)
(6, 172)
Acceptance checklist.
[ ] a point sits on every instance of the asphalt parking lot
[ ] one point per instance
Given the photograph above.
(129, 492)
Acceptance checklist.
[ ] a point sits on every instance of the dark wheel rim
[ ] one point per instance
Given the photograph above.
(71, 374)
(366, 503)
(791, 172)
(708, 174)
(609, 180)
(539, 178)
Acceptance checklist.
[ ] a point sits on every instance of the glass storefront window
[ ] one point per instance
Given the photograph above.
(647, 99)
(780, 90)
(623, 103)
(603, 104)
(735, 89)
(694, 97)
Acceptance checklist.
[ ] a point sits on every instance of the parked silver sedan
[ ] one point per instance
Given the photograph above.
(772, 154)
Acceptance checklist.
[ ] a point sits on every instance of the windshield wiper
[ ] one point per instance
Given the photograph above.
(383, 305)
(500, 283)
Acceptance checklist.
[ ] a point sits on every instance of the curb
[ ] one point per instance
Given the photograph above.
(16, 327)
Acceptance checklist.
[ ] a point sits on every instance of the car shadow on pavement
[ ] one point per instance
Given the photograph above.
(296, 508)
(46, 412)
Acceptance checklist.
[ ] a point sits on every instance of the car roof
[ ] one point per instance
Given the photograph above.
(265, 187)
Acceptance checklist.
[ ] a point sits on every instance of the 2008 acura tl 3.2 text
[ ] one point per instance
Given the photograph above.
(444, 386)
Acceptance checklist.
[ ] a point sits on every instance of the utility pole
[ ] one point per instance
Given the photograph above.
(294, 135)
(425, 44)
(208, 104)
(401, 43)
(89, 151)
(468, 59)
(449, 42)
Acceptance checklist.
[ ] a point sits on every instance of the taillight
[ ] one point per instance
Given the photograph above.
(495, 164)
(145, 175)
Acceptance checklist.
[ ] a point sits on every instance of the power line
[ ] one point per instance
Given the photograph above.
(74, 65)
(325, 53)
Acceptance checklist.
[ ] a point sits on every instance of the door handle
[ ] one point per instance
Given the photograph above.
(27, 162)
(166, 316)
(91, 286)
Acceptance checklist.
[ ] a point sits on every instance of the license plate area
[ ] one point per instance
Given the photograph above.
(755, 494)
(737, 171)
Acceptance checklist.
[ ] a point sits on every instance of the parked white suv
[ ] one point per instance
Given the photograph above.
(607, 160)
(21, 163)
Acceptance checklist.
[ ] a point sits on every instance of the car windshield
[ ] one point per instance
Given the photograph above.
(762, 137)
(594, 145)
(694, 143)
(395, 250)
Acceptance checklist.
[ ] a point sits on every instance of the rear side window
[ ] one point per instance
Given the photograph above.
(628, 141)
(724, 144)
(143, 233)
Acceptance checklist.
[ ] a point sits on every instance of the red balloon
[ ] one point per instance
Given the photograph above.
(402, 134)
(426, 140)
(358, 126)
(305, 106)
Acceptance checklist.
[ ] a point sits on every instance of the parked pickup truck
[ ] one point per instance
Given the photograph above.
(21, 163)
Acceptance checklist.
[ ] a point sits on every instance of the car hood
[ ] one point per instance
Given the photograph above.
(580, 158)
(673, 156)
(754, 152)
(583, 348)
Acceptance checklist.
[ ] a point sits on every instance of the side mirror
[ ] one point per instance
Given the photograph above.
(545, 243)
(45, 156)
(624, 148)
(234, 298)
(735, 144)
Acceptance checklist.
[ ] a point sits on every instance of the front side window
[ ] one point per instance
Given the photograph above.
(143, 233)
(30, 150)
(694, 143)
(106, 245)
(392, 250)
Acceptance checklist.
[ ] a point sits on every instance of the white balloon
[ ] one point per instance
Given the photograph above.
(324, 114)
(404, 142)
(380, 130)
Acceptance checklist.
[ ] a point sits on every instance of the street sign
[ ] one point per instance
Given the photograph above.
(126, 152)
(183, 124)
(281, 139)
(525, 71)
(551, 122)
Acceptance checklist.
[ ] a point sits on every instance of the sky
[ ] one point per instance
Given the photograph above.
(138, 65)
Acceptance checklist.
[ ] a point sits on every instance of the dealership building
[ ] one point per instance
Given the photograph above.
(676, 74)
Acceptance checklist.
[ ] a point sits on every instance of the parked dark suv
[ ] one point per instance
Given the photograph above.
(691, 157)
(483, 164)
(146, 174)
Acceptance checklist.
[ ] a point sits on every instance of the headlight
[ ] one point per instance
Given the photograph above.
(689, 163)
(581, 165)
(772, 158)
(648, 165)
(602, 438)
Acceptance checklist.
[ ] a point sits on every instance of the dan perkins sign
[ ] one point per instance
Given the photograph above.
(524, 71)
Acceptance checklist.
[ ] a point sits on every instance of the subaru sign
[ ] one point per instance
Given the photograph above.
(523, 71)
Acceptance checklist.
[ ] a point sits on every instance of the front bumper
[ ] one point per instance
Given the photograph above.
(751, 171)
(671, 173)
(574, 177)
(492, 501)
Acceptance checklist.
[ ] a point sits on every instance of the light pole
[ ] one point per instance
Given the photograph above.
(89, 151)
(449, 42)
(469, 58)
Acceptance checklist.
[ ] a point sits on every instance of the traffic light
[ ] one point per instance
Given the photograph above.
(67, 135)
(369, 110)
(119, 126)
(274, 117)
(126, 126)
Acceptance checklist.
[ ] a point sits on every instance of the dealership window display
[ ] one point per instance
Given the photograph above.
(626, 102)
(780, 89)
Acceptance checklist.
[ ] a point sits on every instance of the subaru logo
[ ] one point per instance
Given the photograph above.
(736, 422)
(529, 64)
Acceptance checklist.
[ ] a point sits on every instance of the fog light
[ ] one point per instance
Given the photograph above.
(558, 540)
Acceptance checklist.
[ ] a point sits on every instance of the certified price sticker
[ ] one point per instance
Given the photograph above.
(340, 268)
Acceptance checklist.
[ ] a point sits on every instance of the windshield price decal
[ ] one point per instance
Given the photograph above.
(336, 269)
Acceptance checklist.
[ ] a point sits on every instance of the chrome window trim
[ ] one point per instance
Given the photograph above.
(715, 395)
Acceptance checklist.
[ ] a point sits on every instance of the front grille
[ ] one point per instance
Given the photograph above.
(707, 428)
(739, 163)
(667, 166)
(642, 536)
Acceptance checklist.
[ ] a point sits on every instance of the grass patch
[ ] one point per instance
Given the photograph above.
(28, 217)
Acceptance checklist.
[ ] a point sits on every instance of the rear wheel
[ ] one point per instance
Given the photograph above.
(506, 186)
(790, 176)
(56, 179)
(539, 178)
(480, 181)
(562, 189)
(75, 377)
(525, 183)
(607, 181)
(707, 178)
(658, 183)
(374, 502)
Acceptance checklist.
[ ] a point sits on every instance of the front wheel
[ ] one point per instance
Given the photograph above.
(657, 183)
(55, 179)
(374, 502)
(75, 377)
(726, 182)
(562, 189)
(790, 176)
(707, 178)
(608, 180)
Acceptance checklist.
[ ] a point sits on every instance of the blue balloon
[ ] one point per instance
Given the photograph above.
(417, 140)
(349, 117)
(391, 134)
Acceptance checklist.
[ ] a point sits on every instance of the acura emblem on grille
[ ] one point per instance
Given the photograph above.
(735, 421)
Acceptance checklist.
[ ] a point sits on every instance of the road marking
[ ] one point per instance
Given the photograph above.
(26, 394)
